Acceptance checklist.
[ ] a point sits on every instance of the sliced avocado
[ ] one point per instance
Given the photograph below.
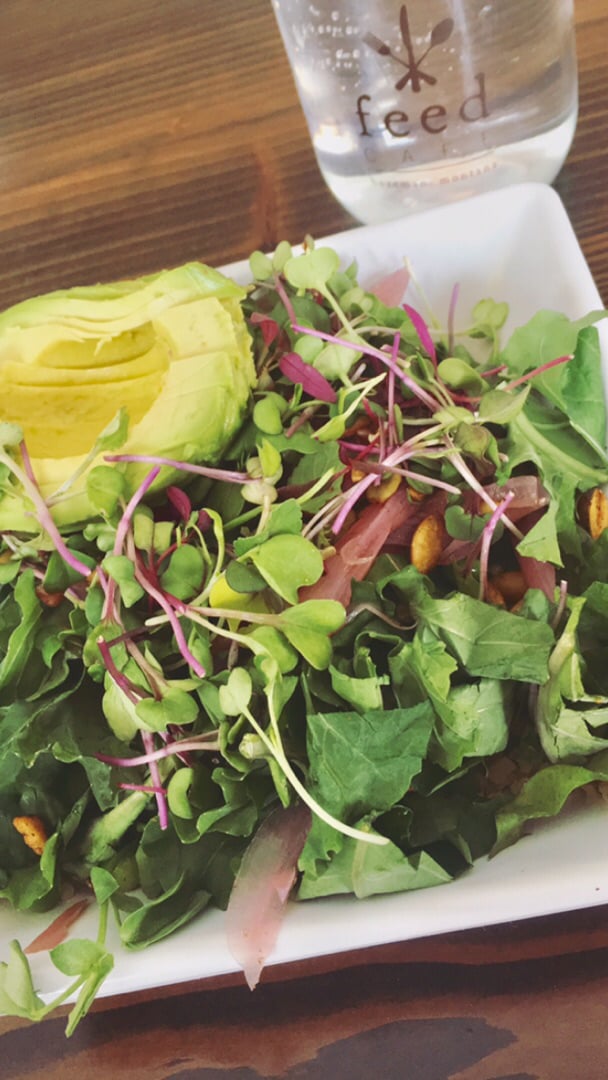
(172, 350)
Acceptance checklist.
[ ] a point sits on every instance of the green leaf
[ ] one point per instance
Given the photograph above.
(120, 711)
(541, 542)
(277, 647)
(236, 694)
(104, 884)
(160, 917)
(260, 266)
(33, 885)
(500, 407)
(313, 269)
(306, 626)
(325, 616)
(183, 576)
(114, 435)
(177, 793)
(105, 488)
(175, 707)
(244, 578)
(490, 315)
(99, 973)
(270, 461)
(267, 416)
(362, 763)
(582, 390)
(10, 435)
(60, 575)
(460, 375)
(487, 641)
(122, 571)
(370, 870)
(571, 723)
(17, 994)
(544, 795)
(77, 956)
(334, 362)
(464, 526)
(545, 337)
(544, 435)
(281, 254)
(288, 562)
(22, 640)
(362, 693)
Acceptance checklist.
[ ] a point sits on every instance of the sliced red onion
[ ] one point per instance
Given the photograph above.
(262, 886)
(391, 289)
(57, 931)
(358, 548)
(538, 575)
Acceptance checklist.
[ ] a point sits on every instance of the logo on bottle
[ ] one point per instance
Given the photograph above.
(434, 118)
(414, 72)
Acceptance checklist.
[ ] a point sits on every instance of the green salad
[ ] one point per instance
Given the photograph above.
(302, 593)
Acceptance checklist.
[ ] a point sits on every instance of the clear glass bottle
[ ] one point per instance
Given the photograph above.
(414, 104)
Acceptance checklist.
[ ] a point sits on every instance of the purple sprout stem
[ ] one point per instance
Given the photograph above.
(287, 304)
(125, 522)
(351, 499)
(537, 371)
(462, 467)
(124, 684)
(486, 541)
(410, 474)
(122, 530)
(180, 747)
(30, 484)
(171, 608)
(390, 405)
(368, 350)
(228, 475)
(161, 798)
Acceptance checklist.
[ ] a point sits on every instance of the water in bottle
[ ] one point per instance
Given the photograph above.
(414, 104)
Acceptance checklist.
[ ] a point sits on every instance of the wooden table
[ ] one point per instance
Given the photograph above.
(135, 135)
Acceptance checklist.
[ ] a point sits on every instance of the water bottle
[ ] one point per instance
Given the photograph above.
(411, 105)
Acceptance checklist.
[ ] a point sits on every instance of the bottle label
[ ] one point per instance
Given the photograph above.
(439, 173)
(413, 69)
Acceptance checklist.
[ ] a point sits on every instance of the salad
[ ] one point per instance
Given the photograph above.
(303, 593)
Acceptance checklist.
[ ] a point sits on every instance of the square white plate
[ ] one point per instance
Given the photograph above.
(515, 245)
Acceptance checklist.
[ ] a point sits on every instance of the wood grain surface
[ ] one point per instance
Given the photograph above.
(137, 134)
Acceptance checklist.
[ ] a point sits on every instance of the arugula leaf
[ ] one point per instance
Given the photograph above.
(486, 640)
(22, 640)
(17, 994)
(35, 887)
(570, 722)
(361, 763)
(567, 463)
(157, 918)
(471, 718)
(544, 795)
(368, 870)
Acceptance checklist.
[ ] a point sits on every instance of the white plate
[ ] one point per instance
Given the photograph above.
(515, 245)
